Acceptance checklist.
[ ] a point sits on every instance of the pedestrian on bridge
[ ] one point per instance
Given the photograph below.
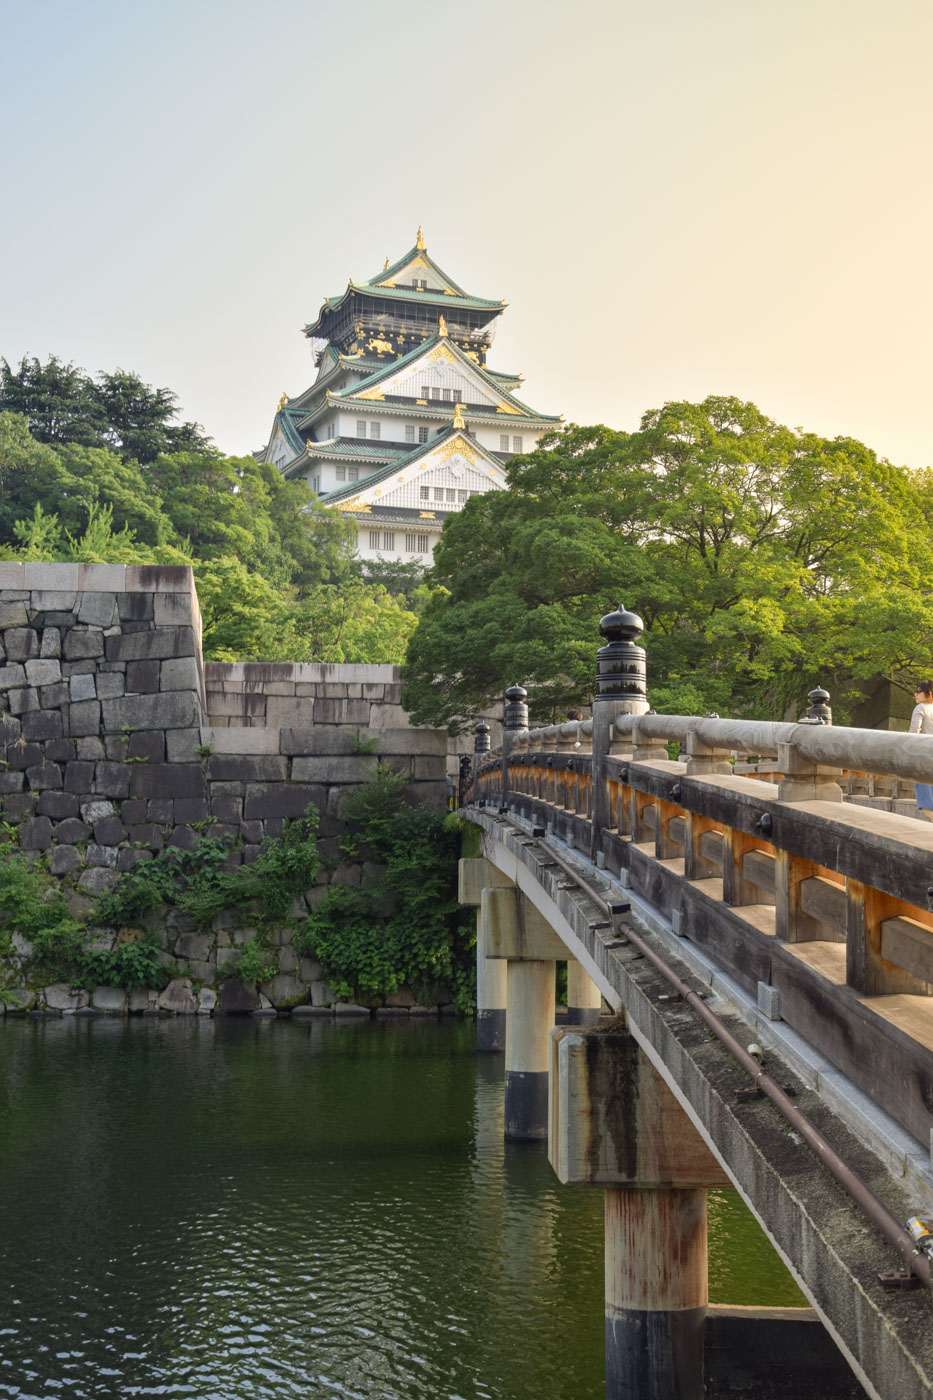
(921, 722)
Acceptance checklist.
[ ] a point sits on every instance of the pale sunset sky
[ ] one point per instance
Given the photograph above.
(675, 197)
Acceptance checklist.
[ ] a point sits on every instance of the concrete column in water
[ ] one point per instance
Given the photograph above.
(519, 935)
(584, 1002)
(656, 1293)
(475, 875)
(613, 1122)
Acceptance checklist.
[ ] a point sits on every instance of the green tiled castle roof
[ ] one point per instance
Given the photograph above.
(393, 366)
(345, 493)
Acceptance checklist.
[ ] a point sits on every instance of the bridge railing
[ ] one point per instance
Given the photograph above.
(786, 870)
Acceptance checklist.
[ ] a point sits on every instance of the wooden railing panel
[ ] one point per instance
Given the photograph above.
(824, 900)
(867, 968)
(758, 869)
(711, 846)
(737, 889)
(908, 944)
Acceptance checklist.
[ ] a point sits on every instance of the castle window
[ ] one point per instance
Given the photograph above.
(463, 495)
(438, 493)
(517, 445)
(388, 539)
(409, 432)
(353, 473)
(341, 473)
(374, 539)
(451, 495)
(422, 434)
(458, 396)
(425, 391)
(361, 427)
(422, 544)
(375, 430)
(425, 493)
(410, 544)
(416, 544)
(503, 442)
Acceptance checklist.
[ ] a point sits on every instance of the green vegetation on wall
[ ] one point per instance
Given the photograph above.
(402, 926)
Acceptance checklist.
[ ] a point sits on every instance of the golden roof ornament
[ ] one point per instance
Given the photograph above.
(419, 242)
(458, 417)
(386, 268)
(442, 327)
(282, 402)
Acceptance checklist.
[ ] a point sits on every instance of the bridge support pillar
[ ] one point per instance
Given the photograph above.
(614, 1123)
(529, 1020)
(474, 876)
(584, 1001)
(529, 947)
(656, 1293)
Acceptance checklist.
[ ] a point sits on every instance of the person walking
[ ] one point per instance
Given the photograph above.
(921, 722)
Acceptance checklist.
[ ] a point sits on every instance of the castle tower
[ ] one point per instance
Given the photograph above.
(404, 421)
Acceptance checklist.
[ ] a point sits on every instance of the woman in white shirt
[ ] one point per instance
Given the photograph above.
(921, 722)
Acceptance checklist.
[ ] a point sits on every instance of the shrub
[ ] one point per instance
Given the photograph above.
(425, 938)
(200, 883)
(253, 965)
(33, 904)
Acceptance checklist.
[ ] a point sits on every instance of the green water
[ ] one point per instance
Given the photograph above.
(243, 1209)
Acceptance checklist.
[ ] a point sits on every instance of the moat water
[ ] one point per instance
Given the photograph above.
(243, 1209)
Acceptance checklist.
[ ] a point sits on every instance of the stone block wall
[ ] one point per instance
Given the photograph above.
(101, 706)
(116, 741)
(297, 696)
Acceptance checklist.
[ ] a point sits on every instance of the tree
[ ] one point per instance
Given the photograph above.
(763, 560)
(400, 579)
(238, 507)
(58, 401)
(63, 404)
(276, 573)
(138, 418)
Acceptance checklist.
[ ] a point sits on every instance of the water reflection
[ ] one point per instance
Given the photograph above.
(240, 1208)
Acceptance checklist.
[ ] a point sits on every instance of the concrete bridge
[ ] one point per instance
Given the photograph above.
(757, 914)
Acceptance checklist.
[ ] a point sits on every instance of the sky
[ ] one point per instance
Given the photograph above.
(675, 198)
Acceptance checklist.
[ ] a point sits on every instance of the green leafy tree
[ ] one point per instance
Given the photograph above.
(139, 418)
(398, 578)
(63, 404)
(238, 507)
(762, 560)
(276, 572)
(57, 400)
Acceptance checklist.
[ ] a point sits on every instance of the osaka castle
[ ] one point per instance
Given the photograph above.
(404, 422)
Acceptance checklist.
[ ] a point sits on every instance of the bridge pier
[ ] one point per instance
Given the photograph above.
(475, 875)
(614, 1123)
(529, 1019)
(656, 1293)
(518, 935)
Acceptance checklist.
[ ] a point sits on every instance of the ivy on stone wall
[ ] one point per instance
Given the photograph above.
(402, 926)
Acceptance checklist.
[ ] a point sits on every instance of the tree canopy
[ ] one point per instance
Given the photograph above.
(62, 404)
(276, 573)
(763, 560)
